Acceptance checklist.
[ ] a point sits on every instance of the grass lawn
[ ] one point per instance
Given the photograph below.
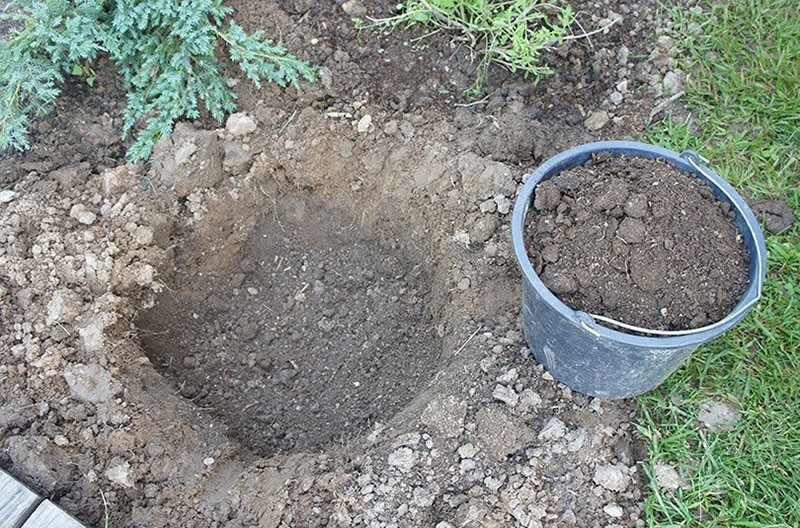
(744, 90)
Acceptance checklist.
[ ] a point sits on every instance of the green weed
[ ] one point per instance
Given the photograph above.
(511, 33)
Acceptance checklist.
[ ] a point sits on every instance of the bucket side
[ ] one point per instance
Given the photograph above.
(589, 363)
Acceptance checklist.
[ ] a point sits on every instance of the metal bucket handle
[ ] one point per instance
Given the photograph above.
(695, 160)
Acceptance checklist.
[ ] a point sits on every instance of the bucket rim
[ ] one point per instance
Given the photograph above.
(688, 161)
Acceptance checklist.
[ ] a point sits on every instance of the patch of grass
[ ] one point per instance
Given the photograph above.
(511, 33)
(744, 93)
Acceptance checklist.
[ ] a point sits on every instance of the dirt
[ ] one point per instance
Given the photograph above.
(639, 241)
(151, 362)
(288, 345)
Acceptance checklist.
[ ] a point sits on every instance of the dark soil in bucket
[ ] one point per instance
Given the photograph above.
(639, 241)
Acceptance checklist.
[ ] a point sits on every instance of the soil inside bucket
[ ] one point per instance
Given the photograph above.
(639, 241)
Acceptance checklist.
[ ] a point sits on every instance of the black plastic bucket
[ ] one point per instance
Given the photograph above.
(594, 359)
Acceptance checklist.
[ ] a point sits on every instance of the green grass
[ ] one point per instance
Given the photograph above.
(745, 93)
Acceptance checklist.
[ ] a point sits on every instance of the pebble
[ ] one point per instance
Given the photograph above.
(64, 306)
(554, 429)
(6, 196)
(622, 55)
(364, 124)
(613, 510)
(494, 483)
(506, 395)
(240, 124)
(90, 383)
(325, 77)
(80, 213)
(509, 377)
(403, 458)
(530, 399)
(424, 496)
(390, 128)
(354, 8)
(613, 477)
(466, 465)
(503, 204)
(597, 120)
(120, 474)
(488, 206)
(615, 98)
(467, 451)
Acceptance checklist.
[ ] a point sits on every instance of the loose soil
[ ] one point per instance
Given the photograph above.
(350, 255)
(639, 241)
(316, 334)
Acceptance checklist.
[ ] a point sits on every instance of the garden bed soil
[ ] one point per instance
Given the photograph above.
(309, 316)
(639, 241)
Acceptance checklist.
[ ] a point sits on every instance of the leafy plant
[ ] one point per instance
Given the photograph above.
(165, 51)
(512, 33)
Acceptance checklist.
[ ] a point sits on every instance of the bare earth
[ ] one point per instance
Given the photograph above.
(312, 321)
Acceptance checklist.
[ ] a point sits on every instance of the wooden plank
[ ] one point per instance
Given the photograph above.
(48, 515)
(16, 501)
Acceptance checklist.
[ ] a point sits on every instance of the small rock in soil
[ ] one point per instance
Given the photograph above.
(64, 306)
(468, 451)
(554, 429)
(7, 196)
(403, 458)
(240, 124)
(119, 472)
(354, 8)
(612, 477)
(364, 124)
(80, 213)
(506, 395)
(613, 510)
(90, 383)
(597, 120)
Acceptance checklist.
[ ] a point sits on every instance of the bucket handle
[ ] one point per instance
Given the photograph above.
(694, 159)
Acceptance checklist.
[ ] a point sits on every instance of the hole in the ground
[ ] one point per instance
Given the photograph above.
(316, 333)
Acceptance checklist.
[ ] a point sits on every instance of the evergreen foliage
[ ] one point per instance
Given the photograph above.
(164, 49)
